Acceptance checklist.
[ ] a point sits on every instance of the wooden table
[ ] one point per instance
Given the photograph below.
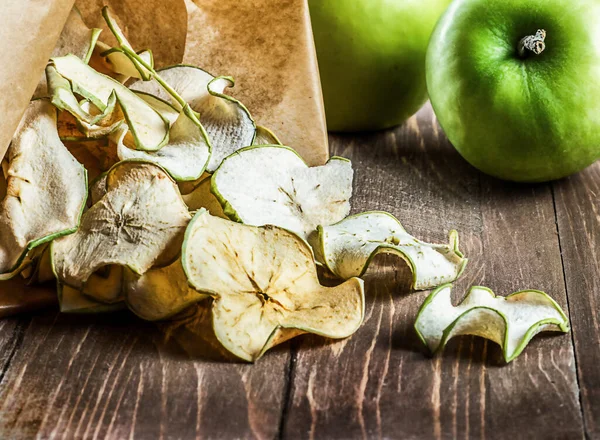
(114, 377)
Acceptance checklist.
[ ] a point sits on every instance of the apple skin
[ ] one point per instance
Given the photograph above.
(371, 56)
(531, 119)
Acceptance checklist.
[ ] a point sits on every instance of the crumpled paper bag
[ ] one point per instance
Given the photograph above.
(266, 45)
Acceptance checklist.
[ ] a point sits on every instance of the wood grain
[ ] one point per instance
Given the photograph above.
(578, 218)
(114, 377)
(111, 377)
(379, 384)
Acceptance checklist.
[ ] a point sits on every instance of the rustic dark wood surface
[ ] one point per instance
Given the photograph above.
(115, 377)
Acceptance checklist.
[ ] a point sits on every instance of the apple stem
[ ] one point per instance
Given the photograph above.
(532, 43)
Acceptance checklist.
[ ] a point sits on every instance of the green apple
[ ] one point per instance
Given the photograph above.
(371, 57)
(515, 85)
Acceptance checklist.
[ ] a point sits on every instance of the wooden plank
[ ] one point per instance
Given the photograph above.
(113, 377)
(379, 383)
(578, 217)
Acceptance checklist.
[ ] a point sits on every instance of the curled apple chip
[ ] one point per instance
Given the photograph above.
(227, 122)
(167, 110)
(118, 61)
(138, 223)
(160, 293)
(509, 321)
(201, 197)
(271, 184)
(264, 136)
(184, 157)
(264, 285)
(46, 188)
(69, 75)
(348, 247)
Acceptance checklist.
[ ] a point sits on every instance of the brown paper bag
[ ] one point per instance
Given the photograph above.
(266, 45)
(29, 30)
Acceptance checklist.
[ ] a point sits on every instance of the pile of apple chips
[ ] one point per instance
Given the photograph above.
(155, 190)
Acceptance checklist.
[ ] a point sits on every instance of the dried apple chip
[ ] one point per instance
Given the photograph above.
(120, 63)
(149, 130)
(186, 154)
(348, 247)
(160, 293)
(264, 285)
(509, 321)
(271, 184)
(46, 188)
(227, 122)
(138, 223)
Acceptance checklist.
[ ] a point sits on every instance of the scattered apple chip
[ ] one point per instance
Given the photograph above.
(262, 185)
(186, 154)
(348, 247)
(46, 188)
(160, 293)
(227, 122)
(509, 321)
(149, 130)
(264, 285)
(138, 223)
(264, 136)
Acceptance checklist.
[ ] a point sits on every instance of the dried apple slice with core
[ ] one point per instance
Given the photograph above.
(265, 286)
(148, 128)
(160, 293)
(272, 185)
(186, 154)
(227, 122)
(46, 188)
(348, 247)
(138, 223)
(509, 321)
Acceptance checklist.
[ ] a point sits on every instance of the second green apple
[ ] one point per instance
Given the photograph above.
(371, 57)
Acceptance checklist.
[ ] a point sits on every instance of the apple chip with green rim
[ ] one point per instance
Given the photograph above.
(46, 188)
(264, 285)
(228, 123)
(138, 223)
(509, 321)
(348, 247)
(69, 75)
(271, 184)
(120, 63)
(160, 293)
(184, 157)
